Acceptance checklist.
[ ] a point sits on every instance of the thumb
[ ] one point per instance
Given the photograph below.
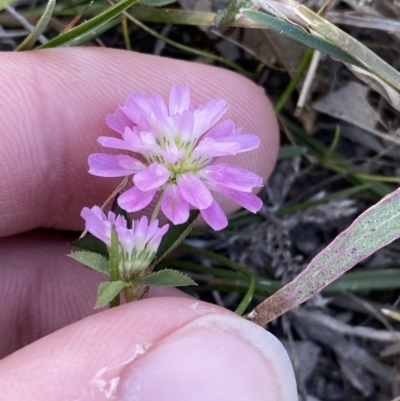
(169, 349)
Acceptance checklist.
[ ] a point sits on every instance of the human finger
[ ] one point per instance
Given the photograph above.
(167, 349)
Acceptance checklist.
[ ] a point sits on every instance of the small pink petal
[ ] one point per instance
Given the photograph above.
(95, 212)
(137, 109)
(148, 138)
(179, 99)
(231, 176)
(119, 221)
(214, 216)
(174, 207)
(126, 238)
(130, 163)
(151, 178)
(133, 139)
(114, 143)
(194, 191)
(104, 165)
(210, 148)
(221, 130)
(140, 230)
(97, 223)
(247, 142)
(249, 201)
(184, 125)
(134, 199)
(151, 230)
(172, 153)
(155, 240)
(206, 116)
(160, 117)
(118, 121)
(226, 132)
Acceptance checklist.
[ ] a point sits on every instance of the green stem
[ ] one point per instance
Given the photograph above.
(128, 291)
(114, 263)
(332, 148)
(188, 49)
(294, 81)
(227, 16)
(125, 34)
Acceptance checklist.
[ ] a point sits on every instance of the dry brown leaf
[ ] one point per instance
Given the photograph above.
(377, 84)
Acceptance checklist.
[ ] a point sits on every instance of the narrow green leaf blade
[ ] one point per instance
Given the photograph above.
(166, 277)
(372, 230)
(370, 280)
(107, 292)
(301, 35)
(288, 151)
(157, 3)
(92, 260)
(175, 235)
(91, 244)
(44, 20)
(92, 28)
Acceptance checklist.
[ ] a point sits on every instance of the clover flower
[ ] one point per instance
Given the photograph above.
(137, 245)
(174, 151)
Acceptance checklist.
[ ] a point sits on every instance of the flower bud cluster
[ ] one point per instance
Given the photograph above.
(137, 245)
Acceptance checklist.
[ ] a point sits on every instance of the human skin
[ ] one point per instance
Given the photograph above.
(169, 347)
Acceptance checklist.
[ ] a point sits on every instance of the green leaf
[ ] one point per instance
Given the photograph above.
(92, 28)
(92, 260)
(175, 235)
(376, 227)
(157, 3)
(166, 277)
(107, 292)
(5, 3)
(44, 20)
(301, 35)
(91, 244)
(288, 151)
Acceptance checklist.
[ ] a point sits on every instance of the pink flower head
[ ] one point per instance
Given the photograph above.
(137, 245)
(178, 147)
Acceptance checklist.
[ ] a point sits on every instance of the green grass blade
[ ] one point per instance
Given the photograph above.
(376, 188)
(44, 20)
(233, 265)
(301, 35)
(372, 280)
(92, 28)
(286, 210)
(365, 57)
(289, 151)
(157, 3)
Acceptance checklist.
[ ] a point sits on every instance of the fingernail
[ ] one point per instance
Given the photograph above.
(213, 358)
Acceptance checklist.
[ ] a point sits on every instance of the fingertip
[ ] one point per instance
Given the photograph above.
(214, 358)
(168, 349)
